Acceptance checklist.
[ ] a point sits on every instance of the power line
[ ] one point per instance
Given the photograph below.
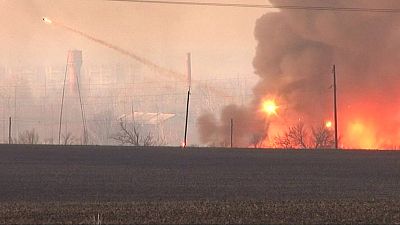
(139, 83)
(264, 6)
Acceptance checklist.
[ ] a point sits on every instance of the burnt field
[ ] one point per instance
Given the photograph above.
(71, 184)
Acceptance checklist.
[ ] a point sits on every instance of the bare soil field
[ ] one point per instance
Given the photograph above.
(124, 185)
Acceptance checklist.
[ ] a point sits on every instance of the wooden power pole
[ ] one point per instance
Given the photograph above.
(335, 108)
(62, 102)
(9, 131)
(189, 68)
(231, 133)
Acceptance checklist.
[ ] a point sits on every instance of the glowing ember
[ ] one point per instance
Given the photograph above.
(47, 20)
(328, 124)
(269, 107)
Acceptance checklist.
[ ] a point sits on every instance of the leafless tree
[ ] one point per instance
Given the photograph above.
(127, 136)
(148, 140)
(298, 136)
(28, 137)
(295, 137)
(133, 136)
(68, 139)
(322, 137)
(257, 140)
(283, 142)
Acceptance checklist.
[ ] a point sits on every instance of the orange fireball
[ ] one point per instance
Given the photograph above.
(328, 124)
(269, 107)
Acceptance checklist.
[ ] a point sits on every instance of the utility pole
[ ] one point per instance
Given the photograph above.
(231, 133)
(189, 68)
(132, 118)
(62, 102)
(85, 134)
(15, 105)
(187, 115)
(335, 107)
(9, 131)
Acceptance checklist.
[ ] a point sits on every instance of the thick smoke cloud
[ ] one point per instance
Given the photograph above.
(246, 127)
(295, 53)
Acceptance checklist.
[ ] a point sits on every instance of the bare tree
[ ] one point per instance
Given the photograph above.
(322, 137)
(295, 137)
(257, 140)
(298, 136)
(127, 136)
(148, 140)
(28, 137)
(68, 139)
(283, 142)
(133, 136)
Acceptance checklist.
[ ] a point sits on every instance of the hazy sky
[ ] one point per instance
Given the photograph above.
(220, 39)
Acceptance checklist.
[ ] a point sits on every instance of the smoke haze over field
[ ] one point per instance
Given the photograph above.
(290, 51)
(295, 53)
(162, 33)
(33, 57)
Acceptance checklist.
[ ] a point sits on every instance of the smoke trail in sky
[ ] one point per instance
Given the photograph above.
(159, 69)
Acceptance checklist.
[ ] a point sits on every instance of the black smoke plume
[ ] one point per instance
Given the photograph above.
(294, 57)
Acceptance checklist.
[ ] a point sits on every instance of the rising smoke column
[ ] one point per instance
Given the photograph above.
(294, 56)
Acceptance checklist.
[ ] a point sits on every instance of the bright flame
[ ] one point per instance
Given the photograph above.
(362, 136)
(269, 107)
(371, 122)
(47, 20)
(328, 124)
(365, 123)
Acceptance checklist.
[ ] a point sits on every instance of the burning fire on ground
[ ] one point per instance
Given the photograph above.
(355, 132)
(294, 56)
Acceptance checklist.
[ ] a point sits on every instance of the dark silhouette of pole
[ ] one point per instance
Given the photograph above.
(335, 107)
(189, 68)
(85, 134)
(231, 133)
(9, 131)
(187, 117)
(62, 102)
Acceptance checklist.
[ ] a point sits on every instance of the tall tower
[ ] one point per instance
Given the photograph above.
(74, 64)
(72, 114)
